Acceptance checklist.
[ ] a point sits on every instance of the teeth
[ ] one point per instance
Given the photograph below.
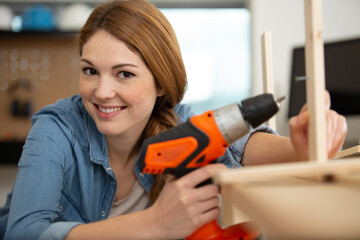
(109, 110)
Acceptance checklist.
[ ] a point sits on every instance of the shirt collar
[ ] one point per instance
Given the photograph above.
(96, 140)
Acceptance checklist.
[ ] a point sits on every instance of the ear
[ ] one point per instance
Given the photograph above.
(160, 92)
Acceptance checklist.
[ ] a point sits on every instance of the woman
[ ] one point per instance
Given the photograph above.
(78, 177)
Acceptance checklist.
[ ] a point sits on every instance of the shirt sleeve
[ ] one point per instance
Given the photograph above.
(36, 195)
(235, 152)
(58, 230)
(184, 112)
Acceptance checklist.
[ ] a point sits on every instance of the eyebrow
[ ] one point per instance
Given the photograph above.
(113, 67)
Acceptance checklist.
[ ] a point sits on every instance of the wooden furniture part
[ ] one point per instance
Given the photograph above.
(297, 200)
(318, 199)
(267, 69)
(315, 82)
(350, 152)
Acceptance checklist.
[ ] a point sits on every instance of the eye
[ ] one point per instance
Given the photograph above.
(125, 75)
(89, 71)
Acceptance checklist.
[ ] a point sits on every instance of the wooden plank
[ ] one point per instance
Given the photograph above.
(230, 214)
(287, 171)
(315, 83)
(267, 69)
(302, 209)
(350, 152)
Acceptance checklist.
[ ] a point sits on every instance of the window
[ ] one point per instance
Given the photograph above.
(215, 45)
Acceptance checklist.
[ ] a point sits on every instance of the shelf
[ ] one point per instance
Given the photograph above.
(158, 3)
(55, 33)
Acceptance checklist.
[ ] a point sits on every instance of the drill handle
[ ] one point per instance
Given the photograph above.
(190, 145)
(172, 151)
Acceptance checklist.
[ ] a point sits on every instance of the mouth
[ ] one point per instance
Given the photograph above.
(109, 109)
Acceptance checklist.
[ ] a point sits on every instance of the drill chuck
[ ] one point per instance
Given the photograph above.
(259, 109)
(235, 120)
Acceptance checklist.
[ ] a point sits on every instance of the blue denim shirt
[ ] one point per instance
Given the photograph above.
(64, 177)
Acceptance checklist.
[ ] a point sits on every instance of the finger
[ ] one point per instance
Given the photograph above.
(208, 205)
(207, 192)
(331, 129)
(335, 133)
(200, 175)
(327, 100)
(198, 195)
(210, 215)
(341, 133)
(327, 103)
(299, 135)
(200, 218)
(304, 108)
(300, 120)
(338, 134)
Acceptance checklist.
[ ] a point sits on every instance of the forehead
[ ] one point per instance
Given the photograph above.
(104, 45)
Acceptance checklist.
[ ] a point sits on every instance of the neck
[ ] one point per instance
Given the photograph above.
(122, 149)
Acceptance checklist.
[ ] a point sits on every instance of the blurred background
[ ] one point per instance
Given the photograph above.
(220, 43)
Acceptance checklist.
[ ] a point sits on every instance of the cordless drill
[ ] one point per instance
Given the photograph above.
(201, 140)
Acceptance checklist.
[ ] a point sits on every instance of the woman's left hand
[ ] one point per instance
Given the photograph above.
(336, 130)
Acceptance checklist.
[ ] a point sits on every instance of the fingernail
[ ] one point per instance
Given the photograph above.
(303, 118)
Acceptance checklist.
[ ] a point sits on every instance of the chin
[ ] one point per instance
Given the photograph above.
(110, 132)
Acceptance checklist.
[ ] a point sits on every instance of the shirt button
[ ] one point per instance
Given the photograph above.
(60, 208)
(103, 213)
(142, 175)
(112, 182)
(108, 169)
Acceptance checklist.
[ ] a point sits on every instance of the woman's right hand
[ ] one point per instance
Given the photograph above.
(181, 208)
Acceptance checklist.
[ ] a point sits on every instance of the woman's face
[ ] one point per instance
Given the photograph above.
(117, 88)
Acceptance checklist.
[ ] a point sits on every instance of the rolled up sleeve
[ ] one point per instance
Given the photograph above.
(235, 152)
(58, 230)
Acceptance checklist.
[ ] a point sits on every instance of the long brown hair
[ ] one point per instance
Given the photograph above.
(147, 32)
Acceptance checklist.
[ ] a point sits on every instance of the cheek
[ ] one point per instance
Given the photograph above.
(84, 88)
(145, 97)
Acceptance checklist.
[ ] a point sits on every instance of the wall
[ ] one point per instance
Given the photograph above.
(285, 20)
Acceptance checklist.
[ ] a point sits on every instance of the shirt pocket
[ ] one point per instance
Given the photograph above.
(69, 209)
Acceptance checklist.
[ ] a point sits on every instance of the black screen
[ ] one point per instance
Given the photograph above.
(342, 77)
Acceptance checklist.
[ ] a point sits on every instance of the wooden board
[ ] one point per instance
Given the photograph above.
(302, 209)
(315, 82)
(350, 152)
(286, 171)
(297, 200)
(267, 69)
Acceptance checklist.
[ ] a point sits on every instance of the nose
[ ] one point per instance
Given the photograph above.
(105, 88)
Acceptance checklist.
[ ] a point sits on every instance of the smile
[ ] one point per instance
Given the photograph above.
(110, 110)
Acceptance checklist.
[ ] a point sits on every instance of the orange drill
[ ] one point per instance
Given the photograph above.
(200, 141)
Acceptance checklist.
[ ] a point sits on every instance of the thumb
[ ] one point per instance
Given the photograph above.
(299, 133)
